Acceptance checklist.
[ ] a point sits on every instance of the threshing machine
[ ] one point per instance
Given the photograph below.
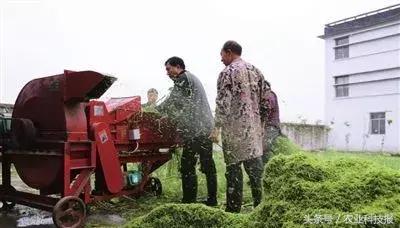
(59, 138)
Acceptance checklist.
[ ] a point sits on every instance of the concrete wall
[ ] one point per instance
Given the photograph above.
(309, 137)
(350, 124)
(6, 109)
(373, 68)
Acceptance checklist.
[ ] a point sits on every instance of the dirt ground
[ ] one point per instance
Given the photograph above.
(23, 216)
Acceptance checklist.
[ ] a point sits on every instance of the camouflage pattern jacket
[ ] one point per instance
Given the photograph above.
(241, 103)
(187, 104)
(149, 107)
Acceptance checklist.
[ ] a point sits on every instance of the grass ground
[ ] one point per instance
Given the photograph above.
(170, 177)
(381, 159)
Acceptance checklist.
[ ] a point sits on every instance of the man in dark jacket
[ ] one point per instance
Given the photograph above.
(187, 104)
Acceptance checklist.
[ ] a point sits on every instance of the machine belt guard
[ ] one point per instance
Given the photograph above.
(108, 157)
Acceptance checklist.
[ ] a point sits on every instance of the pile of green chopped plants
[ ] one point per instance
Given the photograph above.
(301, 190)
(188, 215)
(283, 145)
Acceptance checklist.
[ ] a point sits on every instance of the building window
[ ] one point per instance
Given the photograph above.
(342, 47)
(342, 86)
(377, 125)
(342, 41)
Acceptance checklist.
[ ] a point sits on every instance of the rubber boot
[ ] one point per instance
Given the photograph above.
(256, 192)
(189, 188)
(234, 188)
(212, 190)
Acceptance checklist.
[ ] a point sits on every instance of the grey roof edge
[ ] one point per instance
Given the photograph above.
(362, 21)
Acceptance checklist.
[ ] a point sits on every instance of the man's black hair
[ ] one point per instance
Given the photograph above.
(152, 90)
(176, 61)
(233, 46)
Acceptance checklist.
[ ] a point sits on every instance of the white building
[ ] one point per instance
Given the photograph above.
(362, 67)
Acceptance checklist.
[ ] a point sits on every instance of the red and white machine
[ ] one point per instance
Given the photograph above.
(60, 138)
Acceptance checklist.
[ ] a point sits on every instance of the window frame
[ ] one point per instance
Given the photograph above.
(378, 120)
(342, 86)
(342, 48)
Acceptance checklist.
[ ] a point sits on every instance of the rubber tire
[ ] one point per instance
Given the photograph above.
(155, 186)
(58, 206)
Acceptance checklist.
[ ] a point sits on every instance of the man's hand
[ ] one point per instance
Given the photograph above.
(214, 136)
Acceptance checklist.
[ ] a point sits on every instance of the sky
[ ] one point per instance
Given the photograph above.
(131, 40)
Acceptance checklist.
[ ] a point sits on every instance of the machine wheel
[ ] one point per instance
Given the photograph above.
(154, 186)
(7, 205)
(70, 212)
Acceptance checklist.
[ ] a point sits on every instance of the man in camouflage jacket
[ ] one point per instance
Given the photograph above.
(152, 97)
(241, 93)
